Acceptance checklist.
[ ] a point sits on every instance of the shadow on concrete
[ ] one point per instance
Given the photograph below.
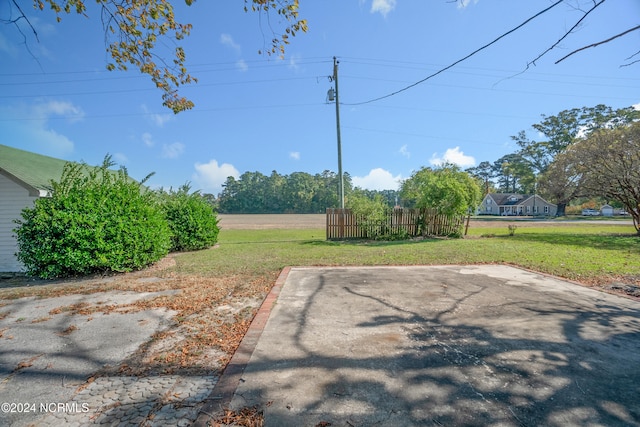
(47, 353)
(488, 345)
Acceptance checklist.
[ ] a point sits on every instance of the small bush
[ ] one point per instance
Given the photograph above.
(97, 220)
(371, 213)
(191, 218)
(401, 234)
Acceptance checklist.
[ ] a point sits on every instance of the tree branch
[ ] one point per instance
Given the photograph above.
(23, 16)
(566, 34)
(599, 43)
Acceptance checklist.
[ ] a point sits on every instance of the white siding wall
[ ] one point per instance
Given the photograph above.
(13, 198)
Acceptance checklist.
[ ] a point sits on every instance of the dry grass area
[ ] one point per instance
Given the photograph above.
(213, 314)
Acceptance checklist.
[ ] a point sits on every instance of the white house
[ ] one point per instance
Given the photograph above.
(24, 177)
(606, 210)
(508, 204)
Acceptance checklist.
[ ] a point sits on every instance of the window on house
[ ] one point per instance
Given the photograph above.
(546, 209)
(528, 209)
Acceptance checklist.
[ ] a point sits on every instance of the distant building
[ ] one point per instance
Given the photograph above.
(606, 210)
(510, 204)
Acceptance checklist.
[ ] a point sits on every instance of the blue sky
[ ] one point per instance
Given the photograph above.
(255, 113)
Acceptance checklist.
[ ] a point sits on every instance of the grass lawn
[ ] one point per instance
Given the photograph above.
(590, 253)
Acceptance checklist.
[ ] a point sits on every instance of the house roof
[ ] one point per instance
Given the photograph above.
(503, 199)
(32, 170)
(35, 171)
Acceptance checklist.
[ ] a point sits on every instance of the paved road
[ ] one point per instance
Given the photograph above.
(451, 345)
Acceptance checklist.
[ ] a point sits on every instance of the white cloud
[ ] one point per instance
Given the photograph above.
(227, 40)
(120, 158)
(35, 133)
(453, 155)
(148, 139)
(404, 151)
(295, 155)
(242, 65)
(59, 108)
(48, 141)
(158, 119)
(210, 176)
(636, 106)
(7, 47)
(462, 4)
(377, 179)
(43, 27)
(293, 62)
(172, 151)
(582, 132)
(383, 6)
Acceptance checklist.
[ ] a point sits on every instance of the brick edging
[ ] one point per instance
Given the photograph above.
(222, 393)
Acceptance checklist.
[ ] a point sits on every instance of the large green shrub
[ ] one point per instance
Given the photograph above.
(96, 220)
(446, 189)
(191, 218)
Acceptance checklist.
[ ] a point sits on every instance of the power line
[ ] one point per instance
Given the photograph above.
(418, 135)
(412, 65)
(442, 70)
(571, 82)
(149, 89)
(192, 68)
(150, 114)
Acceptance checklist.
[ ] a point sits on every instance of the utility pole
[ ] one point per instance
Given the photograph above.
(335, 79)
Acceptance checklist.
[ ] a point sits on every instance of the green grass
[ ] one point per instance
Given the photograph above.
(590, 253)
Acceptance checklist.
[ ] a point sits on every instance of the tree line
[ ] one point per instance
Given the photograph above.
(298, 192)
(446, 188)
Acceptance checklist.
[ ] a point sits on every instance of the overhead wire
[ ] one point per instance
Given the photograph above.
(150, 114)
(149, 89)
(418, 135)
(231, 65)
(442, 70)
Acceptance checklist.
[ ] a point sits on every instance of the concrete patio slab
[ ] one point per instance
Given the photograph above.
(444, 345)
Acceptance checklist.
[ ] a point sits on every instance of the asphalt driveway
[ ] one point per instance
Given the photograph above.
(445, 345)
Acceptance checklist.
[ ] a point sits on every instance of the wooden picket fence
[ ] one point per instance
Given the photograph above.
(344, 224)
